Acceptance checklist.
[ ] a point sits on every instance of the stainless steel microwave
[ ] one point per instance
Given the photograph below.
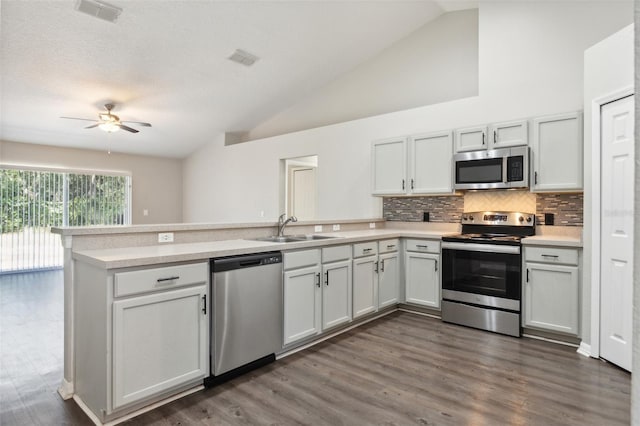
(492, 169)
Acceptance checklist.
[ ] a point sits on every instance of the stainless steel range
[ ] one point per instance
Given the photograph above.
(482, 271)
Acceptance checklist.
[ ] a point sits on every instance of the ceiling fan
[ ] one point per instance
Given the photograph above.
(110, 122)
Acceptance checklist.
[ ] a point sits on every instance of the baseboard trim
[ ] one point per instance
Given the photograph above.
(135, 413)
(546, 339)
(66, 390)
(584, 349)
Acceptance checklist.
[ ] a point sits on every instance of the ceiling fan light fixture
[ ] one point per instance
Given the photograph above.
(109, 126)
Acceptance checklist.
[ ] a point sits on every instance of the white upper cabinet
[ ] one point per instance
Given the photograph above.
(556, 151)
(512, 133)
(471, 138)
(430, 164)
(420, 164)
(389, 166)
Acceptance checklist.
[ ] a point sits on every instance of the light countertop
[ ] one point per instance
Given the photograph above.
(553, 240)
(158, 254)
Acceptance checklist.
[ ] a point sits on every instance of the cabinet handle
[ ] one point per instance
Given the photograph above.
(318, 279)
(535, 178)
(422, 246)
(204, 307)
(168, 279)
(367, 250)
(411, 183)
(436, 266)
(326, 278)
(376, 270)
(403, 184)
(554, 256)
(527, 274)
(390, 246)
(482, 138)
(495, 137)
(382, 266)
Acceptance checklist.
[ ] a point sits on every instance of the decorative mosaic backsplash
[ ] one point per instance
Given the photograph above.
(411, 209)
(566, 208)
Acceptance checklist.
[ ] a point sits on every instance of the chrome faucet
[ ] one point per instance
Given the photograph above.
(282, 222)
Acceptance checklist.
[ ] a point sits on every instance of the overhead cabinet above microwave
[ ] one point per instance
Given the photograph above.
(493, 136)
(418, 164)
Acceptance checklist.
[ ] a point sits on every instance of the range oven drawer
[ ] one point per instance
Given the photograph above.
(483, 318)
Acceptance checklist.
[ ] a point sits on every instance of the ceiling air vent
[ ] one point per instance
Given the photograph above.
(99, 9)
(242, 57)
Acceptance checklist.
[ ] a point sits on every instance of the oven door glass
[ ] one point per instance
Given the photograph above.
(479, 171)
(490, 274)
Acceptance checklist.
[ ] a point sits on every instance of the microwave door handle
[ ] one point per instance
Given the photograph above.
(504, 169)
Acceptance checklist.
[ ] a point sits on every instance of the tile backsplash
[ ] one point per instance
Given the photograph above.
(410, 209)
(566, 208)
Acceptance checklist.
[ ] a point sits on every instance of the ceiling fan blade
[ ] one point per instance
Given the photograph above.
(92, 126)
(127, 128)
(136, 122)
(83, 119)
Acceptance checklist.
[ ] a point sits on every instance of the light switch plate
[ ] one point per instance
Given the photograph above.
(336, 227)
(165, 237)
(317, 228)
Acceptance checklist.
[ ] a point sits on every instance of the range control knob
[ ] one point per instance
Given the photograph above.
(471, 218)
(521, 219)
(464, 218)
(529, 219)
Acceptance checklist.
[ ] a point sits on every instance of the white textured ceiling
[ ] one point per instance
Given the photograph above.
(164, 62)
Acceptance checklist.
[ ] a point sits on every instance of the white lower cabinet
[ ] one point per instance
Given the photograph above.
(145, 336)
(336, 294)
(365, 285)
(551, 292)
(159, 343)
(302, 295)
(388, 279)
(302, 303)
(422, 275)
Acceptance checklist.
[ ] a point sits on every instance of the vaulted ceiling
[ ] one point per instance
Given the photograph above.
(166, 62)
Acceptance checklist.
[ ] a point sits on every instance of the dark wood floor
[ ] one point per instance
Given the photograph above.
(403, 369)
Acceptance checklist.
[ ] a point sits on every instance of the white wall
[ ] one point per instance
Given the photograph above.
(608, 68)
(437, 63)
(531, 63)
(156, 182)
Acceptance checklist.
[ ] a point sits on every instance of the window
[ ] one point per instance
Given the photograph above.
(32, 201)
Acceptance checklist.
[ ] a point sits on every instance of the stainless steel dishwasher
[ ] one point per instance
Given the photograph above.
(246, 328)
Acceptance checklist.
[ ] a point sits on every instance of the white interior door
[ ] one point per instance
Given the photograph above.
(303, 190)
(616, 261)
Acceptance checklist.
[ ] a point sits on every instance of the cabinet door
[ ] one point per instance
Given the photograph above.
(388, 280)
(512, 133)
(556, 151)
(301, 303)
(159, 343)
(365, 285)
(423, 279)
(389, 166)
(551, 296)
(336, 294)
(471, 139)
(430, 163)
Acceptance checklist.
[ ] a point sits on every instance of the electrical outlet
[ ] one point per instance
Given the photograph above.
(336, 227)
(165, 237)
(317, 228)
(145, 212)
(372, 225)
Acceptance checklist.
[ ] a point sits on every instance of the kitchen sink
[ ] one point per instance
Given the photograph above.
(293, 238)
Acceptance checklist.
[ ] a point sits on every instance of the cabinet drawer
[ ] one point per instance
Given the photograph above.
(334, 254)
(365, 249)
(567, 256)
(426, 246)
(301, 259)
(388, 246)
(168, 277)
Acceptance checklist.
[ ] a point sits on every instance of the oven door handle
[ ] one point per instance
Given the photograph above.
(488, 248)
